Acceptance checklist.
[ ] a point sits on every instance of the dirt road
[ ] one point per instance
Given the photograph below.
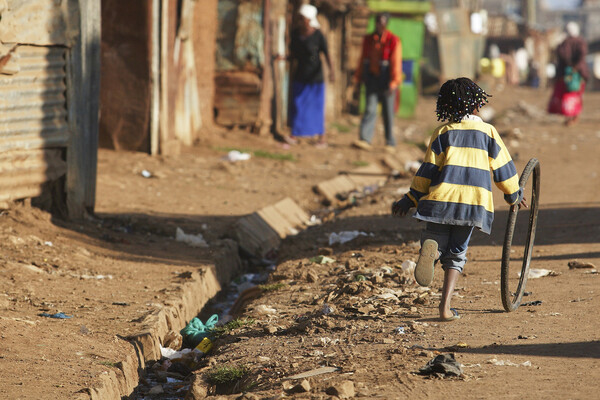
(110, 272)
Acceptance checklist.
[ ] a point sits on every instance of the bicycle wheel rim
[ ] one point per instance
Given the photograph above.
(512, 301)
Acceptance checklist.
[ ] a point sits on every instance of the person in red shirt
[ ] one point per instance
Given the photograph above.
(380, 69)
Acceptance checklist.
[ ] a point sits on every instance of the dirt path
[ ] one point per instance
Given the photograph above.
(112, 271)
(540, 351)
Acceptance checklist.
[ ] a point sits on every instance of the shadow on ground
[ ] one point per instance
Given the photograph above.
(578, 349)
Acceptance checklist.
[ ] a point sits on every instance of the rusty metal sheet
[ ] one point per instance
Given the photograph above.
(32, 100)
(23, 172)
(39, 22)
(33, 120)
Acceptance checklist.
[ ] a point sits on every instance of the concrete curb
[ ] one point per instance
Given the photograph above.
(258, 234)
(174, 315)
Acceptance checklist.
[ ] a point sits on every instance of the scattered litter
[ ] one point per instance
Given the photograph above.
(264, 309)
(146, 174)
(527, 337)
(579, 264)
(121, 303)
(532, 303)
(387, 296)
(539, 273)
(171, 354)
(408, 267)
(314, 220)
(56, 316)
(322, 260)
(592, 272)
(195, 331)
(401, 330)
(98, 277)
(314, 372)
(235, 155)
(192, 240)
(458, 346)
(327, 309)
(443, 365)
(345, 236)
(507, 363)
(48, 243)
(386, 270)
(325, 341)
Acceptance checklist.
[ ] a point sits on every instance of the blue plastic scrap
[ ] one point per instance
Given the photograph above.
(57, 315)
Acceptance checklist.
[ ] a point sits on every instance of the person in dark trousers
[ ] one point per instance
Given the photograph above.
(380, 69)
(307, 111)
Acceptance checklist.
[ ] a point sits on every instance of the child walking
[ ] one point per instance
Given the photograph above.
(452, 189)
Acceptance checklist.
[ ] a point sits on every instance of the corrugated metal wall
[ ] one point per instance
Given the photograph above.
(33, 120)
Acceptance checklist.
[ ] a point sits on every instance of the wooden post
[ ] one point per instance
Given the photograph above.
(83, 98)
(155, 80)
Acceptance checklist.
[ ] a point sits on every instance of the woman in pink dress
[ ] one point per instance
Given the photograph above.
(567, 99)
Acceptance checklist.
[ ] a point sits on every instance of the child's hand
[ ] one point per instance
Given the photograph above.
(523, 203)
(400, 208)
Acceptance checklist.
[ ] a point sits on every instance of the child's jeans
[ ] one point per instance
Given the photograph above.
(452, 240)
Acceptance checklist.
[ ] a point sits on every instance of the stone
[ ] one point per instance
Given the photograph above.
(270, 329)
(343, 390)
(312, 277)
(156, 390)
(248, 396)
(388, 341)
(4, 302)
(302, 387)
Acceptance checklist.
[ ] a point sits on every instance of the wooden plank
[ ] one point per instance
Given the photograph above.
(83, 88)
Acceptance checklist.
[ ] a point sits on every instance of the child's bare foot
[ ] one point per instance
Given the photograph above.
(448, 314)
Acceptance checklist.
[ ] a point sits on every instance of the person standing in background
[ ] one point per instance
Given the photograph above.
(380, 69)
(571, 74)
(307, 112)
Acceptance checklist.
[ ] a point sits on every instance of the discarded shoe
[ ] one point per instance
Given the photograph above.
(427, 257)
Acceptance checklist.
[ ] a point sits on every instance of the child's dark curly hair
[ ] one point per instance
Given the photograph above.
(459, 97)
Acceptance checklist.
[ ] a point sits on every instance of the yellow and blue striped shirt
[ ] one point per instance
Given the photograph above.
(454, 185)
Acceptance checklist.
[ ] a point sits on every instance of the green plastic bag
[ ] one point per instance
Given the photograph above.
(195, 331)
(572, 80)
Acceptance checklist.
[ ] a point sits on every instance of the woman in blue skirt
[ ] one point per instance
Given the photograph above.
(307, 111)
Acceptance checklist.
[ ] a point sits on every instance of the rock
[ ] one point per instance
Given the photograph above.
(353, 264)
(578, 264)
(312, 277)
(4, 302)
(270, 329)
(302, 387)
(156, 390)
(343, 390)
(388, 341)
(174, 340)
(198, 390)
(248, 396)
(377, 279)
